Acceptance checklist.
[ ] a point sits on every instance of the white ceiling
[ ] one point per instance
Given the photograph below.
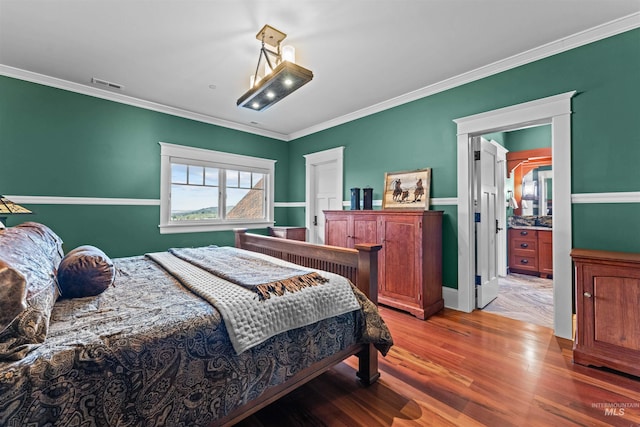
(364, 54)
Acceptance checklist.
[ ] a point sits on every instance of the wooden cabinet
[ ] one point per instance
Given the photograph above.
(346, 229)
(607, 314)
(410, 262)
(291, 233)
(545, 253)
(530, 251)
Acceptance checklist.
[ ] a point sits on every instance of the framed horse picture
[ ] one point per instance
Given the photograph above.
(407, 190)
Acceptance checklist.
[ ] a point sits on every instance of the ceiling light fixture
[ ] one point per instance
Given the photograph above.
(282, 75)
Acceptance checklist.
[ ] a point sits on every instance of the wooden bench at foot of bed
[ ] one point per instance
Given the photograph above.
(360, 265)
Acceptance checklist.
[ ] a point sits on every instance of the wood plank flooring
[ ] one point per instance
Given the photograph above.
(464, 369)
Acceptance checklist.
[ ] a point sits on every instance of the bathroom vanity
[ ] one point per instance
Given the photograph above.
(530, 250)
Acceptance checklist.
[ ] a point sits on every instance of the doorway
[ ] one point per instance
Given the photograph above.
(556, 111)
(524, 173)
(324, 174)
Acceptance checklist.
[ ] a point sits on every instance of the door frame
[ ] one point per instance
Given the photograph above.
(311, 161)
(553, 110)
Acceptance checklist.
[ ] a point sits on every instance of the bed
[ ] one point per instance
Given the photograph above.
(149, 351)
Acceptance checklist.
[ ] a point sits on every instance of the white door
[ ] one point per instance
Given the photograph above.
(487, 227)
(501, 214)
(325, 176)
(324, 189)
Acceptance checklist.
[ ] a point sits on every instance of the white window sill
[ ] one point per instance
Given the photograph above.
(199, 228)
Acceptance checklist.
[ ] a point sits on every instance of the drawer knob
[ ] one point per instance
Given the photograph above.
(524, 245)
(524, 261)
(524, 233)
(587, 294)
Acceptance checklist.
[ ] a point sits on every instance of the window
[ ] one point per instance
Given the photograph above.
(205, 190)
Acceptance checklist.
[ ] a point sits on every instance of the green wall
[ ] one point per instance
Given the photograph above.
(59, 143)
(522, 139)
(528, 139)
(499, 137)
(605, 138)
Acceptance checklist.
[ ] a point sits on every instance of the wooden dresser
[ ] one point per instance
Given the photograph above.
(530, 251)
(607, 309)
(410, 262)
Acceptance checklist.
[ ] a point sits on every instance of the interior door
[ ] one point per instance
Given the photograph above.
(487, 227)
(501, 213)
(323, 189)
(324, 198)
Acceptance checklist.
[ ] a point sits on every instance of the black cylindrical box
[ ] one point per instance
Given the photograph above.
(367, 198)
(355, 199)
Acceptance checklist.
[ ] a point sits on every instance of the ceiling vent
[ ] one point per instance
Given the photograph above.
(106, 84)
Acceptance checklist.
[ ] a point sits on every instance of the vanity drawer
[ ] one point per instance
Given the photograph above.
(524, 246)
(523, 243)
(520, 262)
(523, 250)
(525, 234)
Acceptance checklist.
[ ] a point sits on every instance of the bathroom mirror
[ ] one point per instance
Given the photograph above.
(531, 171)
(536, 192)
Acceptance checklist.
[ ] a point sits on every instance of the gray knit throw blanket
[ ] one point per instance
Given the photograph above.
(242, 268)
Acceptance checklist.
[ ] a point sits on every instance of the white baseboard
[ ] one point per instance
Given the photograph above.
(450, 297)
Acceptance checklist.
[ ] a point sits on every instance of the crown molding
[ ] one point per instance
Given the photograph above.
(42, 79)
(582, 38)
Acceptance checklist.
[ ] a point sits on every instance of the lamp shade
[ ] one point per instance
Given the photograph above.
(289, 53)
(7, 207)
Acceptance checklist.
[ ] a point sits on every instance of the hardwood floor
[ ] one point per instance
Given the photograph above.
(459, 369)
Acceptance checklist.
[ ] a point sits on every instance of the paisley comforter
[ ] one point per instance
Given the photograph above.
(250, 320)
(149, 352)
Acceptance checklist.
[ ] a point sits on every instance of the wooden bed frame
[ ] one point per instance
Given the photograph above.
(360, 265)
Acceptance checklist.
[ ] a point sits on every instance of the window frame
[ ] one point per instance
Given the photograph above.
(217, 159)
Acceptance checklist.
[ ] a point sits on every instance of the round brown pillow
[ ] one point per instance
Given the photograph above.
(85, 271)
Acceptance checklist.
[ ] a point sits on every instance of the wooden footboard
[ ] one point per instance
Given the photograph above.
(359, 265)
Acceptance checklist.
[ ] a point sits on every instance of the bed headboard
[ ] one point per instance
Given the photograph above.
(360, 265)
